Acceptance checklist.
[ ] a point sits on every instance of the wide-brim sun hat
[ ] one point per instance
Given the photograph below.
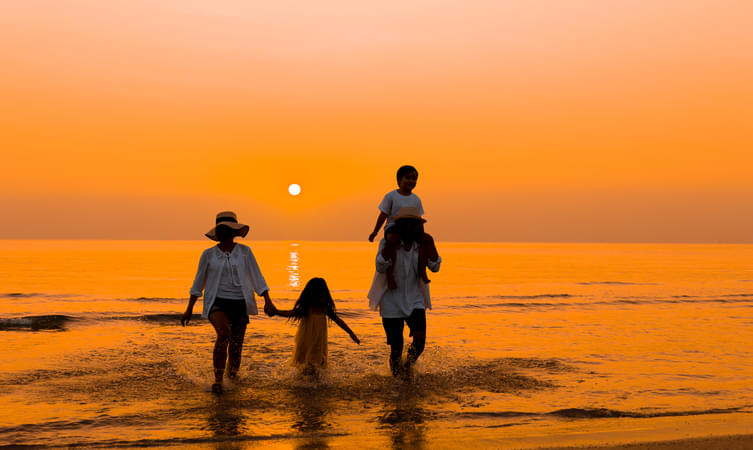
(409, 212)
(230, 220)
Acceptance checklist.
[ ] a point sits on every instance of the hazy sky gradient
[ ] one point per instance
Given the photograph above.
(546, 121)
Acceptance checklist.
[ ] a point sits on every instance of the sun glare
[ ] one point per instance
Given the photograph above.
(294, 189)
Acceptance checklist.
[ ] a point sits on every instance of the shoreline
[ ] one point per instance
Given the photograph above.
(727, 442)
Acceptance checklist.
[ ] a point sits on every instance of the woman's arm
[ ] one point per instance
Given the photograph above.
(345, 327)
(197, 289)
(200, 280)
(186, 317)
(269, 308)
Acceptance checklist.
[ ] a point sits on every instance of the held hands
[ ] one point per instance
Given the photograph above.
(270, 309)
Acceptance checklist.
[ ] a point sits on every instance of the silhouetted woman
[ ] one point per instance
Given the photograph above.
(228, 275)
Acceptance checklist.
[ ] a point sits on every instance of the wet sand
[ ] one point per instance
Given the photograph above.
(736, 442)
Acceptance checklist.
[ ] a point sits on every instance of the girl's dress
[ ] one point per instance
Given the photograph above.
(311, 342)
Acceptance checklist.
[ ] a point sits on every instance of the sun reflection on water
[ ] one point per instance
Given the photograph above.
(294, 278)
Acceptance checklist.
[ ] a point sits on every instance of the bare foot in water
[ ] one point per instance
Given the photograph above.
(217, 388)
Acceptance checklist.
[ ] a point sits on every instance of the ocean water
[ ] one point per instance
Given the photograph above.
(528, 345)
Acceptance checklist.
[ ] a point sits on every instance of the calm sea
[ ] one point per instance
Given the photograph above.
(528, 345)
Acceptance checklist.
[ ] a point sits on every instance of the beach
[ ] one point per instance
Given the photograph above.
(529, 346)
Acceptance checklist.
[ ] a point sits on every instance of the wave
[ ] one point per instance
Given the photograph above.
(319, 440)
(173, 318)
(35, 323)
(507, 297)
(583, 301)
(20, 295)
(157, 299)
(601, 413)
(34, 295)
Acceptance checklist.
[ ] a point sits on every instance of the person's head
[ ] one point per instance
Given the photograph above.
(407, 176)
(224, 233)
(227, 227)
(409, 224)
(315, 293)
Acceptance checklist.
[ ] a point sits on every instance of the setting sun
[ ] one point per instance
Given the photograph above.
(294, 189)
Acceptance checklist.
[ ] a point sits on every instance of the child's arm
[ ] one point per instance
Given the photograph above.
(380, 221)
(345, 327)
(283, 312)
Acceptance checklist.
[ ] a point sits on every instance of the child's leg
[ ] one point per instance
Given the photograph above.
(426, 251)
(389, 252)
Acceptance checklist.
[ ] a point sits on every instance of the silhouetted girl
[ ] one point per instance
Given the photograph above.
(311, 311)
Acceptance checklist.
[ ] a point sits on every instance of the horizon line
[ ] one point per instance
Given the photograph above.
(375, 242)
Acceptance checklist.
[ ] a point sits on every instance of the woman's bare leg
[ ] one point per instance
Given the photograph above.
(237, 334)
(221, 325)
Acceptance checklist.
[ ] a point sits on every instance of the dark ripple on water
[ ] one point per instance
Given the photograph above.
(34, 295)
(36, 323)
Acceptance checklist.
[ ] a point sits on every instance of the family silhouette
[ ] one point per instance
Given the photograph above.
(228, 276)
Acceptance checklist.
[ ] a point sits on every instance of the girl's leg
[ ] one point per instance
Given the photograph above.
(237, 333)
(221, 325)
(393, 328)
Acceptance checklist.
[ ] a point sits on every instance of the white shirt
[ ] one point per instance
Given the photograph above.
(230, 286)
(242, 262)
(393, 201)
(411, 292)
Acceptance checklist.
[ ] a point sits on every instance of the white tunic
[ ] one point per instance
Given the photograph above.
(411, 292)
(242, 262)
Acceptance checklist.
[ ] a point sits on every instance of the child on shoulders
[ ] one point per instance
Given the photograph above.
(394, 201)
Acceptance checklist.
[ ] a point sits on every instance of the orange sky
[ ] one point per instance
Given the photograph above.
(547, 121)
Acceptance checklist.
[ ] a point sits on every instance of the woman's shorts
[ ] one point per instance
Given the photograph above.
(235, 310)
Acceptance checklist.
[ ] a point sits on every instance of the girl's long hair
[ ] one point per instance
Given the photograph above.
(316, 293)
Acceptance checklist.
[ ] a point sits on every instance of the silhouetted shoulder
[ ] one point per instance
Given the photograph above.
(243, 248)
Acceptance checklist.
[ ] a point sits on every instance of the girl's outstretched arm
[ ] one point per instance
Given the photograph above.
(345, 327)
(284, 312)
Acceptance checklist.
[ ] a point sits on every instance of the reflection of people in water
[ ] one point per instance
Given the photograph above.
(313, 407)
(407, 303)
(226, 420)
(404, 419)
(228, 275)
(311, 311)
